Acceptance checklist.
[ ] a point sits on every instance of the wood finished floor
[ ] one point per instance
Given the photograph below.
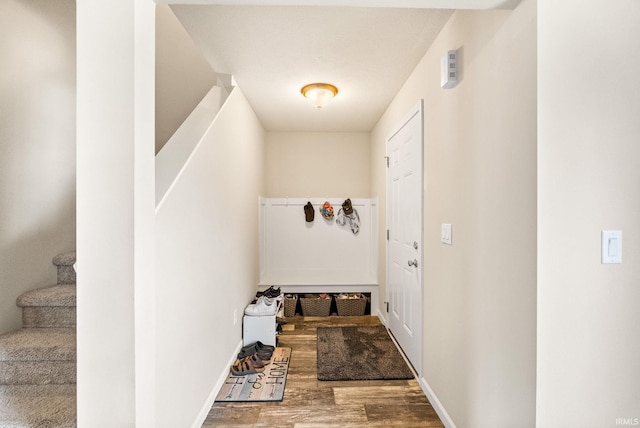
(312, 403)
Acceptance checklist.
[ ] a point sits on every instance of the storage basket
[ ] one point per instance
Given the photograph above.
(351, 307)
(315, 306)
(290, 305)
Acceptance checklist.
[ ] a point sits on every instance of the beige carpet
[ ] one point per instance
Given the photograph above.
(38, 406)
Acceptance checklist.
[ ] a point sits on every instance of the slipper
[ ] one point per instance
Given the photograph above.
(262, 354)
(258, 345)
(245, 367)
(309, 212)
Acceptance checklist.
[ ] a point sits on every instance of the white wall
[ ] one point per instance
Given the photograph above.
(37, 146)
(115, 212)
(480, 176)
(317, 164)
(183, 76)
(588, 180)
(296, 252)
(207, 262)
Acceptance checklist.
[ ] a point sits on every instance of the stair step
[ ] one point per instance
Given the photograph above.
(49, 317)
(64, 262)
(53, 306)
(38, 356)
(38, 406)
(53, 295)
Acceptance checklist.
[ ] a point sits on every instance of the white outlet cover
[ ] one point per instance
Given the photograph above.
(445, 234)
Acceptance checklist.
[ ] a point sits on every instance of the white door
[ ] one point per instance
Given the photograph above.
(404, 248)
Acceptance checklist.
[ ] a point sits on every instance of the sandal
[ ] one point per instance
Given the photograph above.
(257, 360)
(245, 367)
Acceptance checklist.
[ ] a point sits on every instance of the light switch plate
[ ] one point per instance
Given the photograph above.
(445, 234)
(611, 246)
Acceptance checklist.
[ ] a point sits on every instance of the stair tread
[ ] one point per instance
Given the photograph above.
(65, 259)
(39, 344)
(38, 406)
(53, 295)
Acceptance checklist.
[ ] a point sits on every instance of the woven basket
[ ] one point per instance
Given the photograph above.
(351, 307)
(315, 307)
(290, 306)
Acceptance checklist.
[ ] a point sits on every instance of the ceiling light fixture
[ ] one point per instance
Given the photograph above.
(319, 94)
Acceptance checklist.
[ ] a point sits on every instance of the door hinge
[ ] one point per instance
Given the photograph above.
(387, 306)
(387, 158)
(387, 234)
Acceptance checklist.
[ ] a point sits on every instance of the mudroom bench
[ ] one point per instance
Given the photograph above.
(334, 289)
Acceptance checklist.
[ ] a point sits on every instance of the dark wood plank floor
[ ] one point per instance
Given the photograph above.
(312, 403)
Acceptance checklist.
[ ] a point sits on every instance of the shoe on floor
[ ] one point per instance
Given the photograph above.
(258, 346)
(245, 367)
(263, 306)
(263, 354)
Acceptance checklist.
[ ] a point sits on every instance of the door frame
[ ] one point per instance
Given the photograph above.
(417, 109)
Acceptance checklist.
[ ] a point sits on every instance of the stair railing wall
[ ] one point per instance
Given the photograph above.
(206, 262)
(172, 157)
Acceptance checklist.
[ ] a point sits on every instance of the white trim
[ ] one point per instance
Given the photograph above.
(383, 318)
(424, 385)
(418, 109)
(436, 404)
(412, 4)
(204, 411)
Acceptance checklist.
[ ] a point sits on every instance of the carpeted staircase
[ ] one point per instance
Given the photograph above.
(38, 361)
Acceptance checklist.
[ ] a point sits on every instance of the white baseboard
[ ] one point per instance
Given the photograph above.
(437, 405)
(383, 318)
(433, 399)
(204, 411)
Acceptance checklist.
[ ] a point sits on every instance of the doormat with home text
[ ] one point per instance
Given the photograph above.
(265, 386)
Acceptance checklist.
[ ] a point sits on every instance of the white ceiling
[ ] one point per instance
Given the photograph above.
(272, 51)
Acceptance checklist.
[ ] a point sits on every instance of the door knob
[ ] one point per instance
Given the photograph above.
(413, 262)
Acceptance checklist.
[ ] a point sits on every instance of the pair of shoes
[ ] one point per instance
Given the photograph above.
(245, 367)
(263, 306)
(263, 354)
(263, 351)
(258, 346)
(269, 292)
(257, 359)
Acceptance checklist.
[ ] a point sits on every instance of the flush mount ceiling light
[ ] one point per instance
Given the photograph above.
(319, 94)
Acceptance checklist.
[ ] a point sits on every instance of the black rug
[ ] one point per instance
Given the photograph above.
(359, 353)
